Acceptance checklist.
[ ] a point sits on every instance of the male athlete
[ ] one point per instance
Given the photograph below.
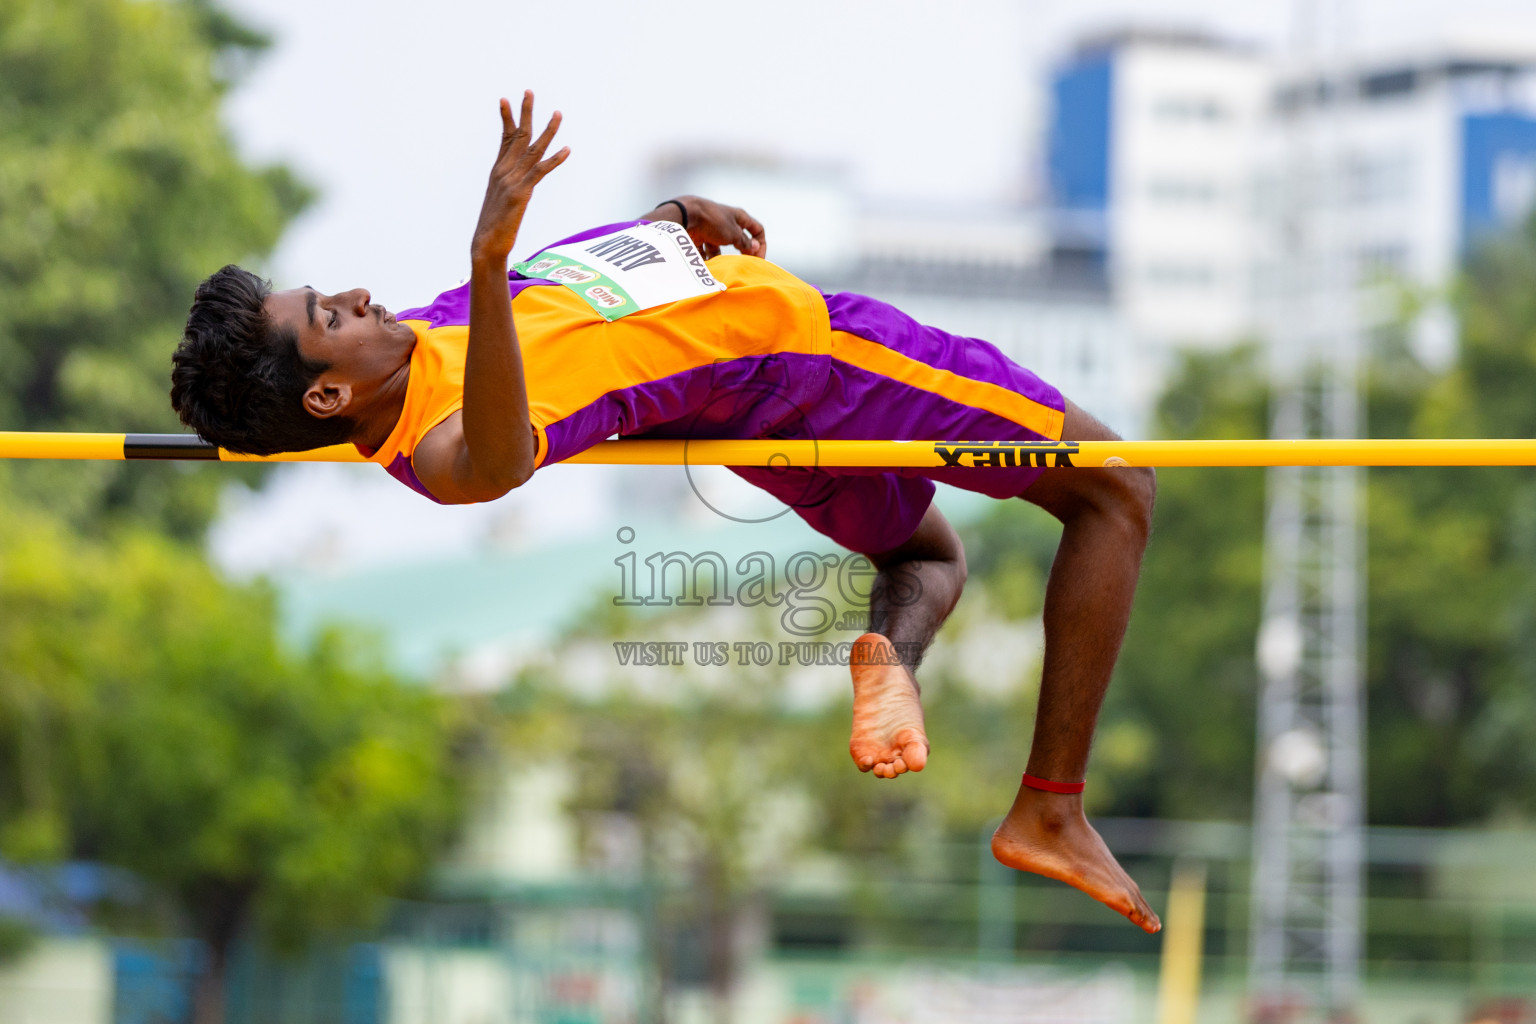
(626, 329)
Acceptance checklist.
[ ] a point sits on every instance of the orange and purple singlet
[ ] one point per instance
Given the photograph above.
(769, 357)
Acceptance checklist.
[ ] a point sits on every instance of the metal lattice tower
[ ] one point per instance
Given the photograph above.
(1307, 853)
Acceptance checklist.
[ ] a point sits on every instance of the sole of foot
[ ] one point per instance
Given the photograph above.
(888, 737)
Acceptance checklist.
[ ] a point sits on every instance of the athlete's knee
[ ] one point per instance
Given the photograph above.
(959, 571)
(1138, 498)
(1119, 500)
(1125, 496)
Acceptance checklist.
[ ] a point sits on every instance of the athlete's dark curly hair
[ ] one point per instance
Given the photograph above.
(239, 380)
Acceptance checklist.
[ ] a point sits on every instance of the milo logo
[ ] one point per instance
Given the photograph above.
(574, 275)
(546, 263)
(604, 296)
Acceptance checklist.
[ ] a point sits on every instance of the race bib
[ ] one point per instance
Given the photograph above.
(630, 270)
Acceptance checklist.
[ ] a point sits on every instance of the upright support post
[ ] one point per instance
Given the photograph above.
(1304, 956)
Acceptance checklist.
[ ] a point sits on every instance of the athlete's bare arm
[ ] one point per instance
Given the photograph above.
(711, 225)
(488, 448)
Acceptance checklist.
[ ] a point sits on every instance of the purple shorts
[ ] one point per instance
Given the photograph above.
(887, 377)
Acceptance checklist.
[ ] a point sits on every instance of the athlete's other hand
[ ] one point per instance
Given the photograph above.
(520, 165)
(712, 225)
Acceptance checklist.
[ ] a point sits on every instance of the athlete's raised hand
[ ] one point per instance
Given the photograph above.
(520, 165)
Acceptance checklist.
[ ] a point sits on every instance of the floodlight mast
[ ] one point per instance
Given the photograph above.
(1305, 945)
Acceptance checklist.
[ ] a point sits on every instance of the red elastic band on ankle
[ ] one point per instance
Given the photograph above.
(1048, 786)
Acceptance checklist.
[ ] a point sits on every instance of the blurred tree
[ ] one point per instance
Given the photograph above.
(119, 191)
(1176, 732)
(1451, 594)
(1186, 674)
(728, 773)
(1451, 585)
(705, 775)
(1452, 711)
(149, 718)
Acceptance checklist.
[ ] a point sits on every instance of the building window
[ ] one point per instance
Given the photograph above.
(1514, 186)
(1369, 180)
(1398, 82)
(1190, 110)
(1385, 260)
(1179, 275)
(1184, 191)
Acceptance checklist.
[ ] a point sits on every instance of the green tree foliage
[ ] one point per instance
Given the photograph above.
(1452, 699)
(1451, 586)
(695, 773)
(730, 773)
(1186, 674)
(1176, 733)
(150, 719)
(119, 191)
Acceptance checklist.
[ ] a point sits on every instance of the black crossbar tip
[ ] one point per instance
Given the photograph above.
(168, 446)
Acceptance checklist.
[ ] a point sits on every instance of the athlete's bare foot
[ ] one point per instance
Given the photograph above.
(1046, 833)
(888, 736)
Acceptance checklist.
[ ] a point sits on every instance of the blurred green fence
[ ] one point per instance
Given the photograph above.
(1450, 921)
(941, 930)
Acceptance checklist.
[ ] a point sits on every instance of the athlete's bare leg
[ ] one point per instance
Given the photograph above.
(1106, 517)
(916, 589)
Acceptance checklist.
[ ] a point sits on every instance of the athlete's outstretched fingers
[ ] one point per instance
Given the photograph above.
(546, 166)
(517, 169)
(509, 127)
(539, 145)
(547, 136)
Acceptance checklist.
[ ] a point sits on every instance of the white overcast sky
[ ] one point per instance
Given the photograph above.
(389, 108)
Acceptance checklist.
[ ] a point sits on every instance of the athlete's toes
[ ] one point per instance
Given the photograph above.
(1129, 902)
(1145, 916)
(915, 754)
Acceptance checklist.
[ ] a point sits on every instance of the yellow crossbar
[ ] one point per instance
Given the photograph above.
(810, 454)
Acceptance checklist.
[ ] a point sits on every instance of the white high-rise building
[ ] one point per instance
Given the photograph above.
(1172, 164)
(1149, 162)
(1415, 161)
(1171, 160)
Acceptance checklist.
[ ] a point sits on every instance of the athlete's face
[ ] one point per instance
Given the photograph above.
(360, 342)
